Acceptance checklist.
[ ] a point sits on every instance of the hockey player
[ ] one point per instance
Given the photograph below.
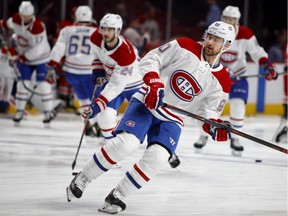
(180, 70)
(115, 70)
(282, 131)
(33, 49)
(235, 61)
(73, 43)
(7, 74)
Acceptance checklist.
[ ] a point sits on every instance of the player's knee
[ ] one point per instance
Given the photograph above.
(122, 145)
(43, 87)
(237, 108)
(154, 158)
(107, 118)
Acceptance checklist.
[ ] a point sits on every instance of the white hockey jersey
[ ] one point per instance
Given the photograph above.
(235, 57)
(5, 55)
(190, 83)
(73, 42)
(32, 41)
(120, 65)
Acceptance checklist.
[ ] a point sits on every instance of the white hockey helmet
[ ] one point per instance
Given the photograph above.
(222, 30)
(83, 14)
(112, 21)
(231, 11)
(26, 8)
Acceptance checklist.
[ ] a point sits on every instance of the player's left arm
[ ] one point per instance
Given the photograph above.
(259, 56)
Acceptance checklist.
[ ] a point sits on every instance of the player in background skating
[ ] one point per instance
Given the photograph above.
(281, 132)
(235, 61)
(177, 73)
(73, 43)
(8, 77)
(33, 49)
(115, 70)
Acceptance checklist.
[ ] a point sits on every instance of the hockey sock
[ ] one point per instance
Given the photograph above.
(154, 158)
(118, 148)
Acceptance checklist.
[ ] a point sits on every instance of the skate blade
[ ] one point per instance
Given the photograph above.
(16, 124)
(198, 150)
(47, 125)
(69, 194)
(236, 153)
(110, 209)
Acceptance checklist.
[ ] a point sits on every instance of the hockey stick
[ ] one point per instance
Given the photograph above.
(257, 75)
(228, 128)
(83, 131)
(18, 74)
(143, 46)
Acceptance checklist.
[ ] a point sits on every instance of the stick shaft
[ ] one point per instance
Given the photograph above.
(257, 75)
(83, 132)
(230, 129)
(80, 142)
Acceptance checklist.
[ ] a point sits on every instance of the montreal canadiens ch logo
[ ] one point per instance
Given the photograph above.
(229, 57)
(184, 85)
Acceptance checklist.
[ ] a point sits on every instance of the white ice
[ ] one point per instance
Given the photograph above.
(35, 167)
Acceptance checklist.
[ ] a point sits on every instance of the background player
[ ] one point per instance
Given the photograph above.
(235, 61)
(73, 43)
(115, 69)
(33, 54)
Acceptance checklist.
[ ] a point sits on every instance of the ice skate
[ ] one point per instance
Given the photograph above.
(57, 108)
(113, 203)
(281, 132)
(174, 161)
(18, 117)
(77, 186)
(237, 149)
(282, 135)
(93, 130)
(48, 117)
(200, 144)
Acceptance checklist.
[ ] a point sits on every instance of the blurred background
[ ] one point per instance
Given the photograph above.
(171, 18)
(160, 21)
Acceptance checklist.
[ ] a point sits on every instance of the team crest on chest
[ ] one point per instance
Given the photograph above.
(229, 57)
(184, 85)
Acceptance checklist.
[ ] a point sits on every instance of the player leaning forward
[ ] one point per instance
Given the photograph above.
(235, 61)
(34, 51)
(182, 70)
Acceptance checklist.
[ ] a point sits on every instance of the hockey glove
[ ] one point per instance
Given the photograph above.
(217, 134)
(98, 77)
(232, 76)
(53, 69)
(270, 70)
(22, 59)
(98, 105)
(155, 90)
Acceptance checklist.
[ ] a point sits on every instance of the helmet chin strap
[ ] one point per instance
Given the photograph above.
(216, 59)
(223, 49)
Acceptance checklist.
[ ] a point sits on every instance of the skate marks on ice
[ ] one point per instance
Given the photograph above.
(36, 162)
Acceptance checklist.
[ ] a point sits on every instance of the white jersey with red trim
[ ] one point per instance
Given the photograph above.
(120, 65)
(73, 42)
(5, 55)
(190, 83)
(32, 41)
(235, 57)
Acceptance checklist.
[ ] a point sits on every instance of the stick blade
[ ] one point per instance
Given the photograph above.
(73, 164)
